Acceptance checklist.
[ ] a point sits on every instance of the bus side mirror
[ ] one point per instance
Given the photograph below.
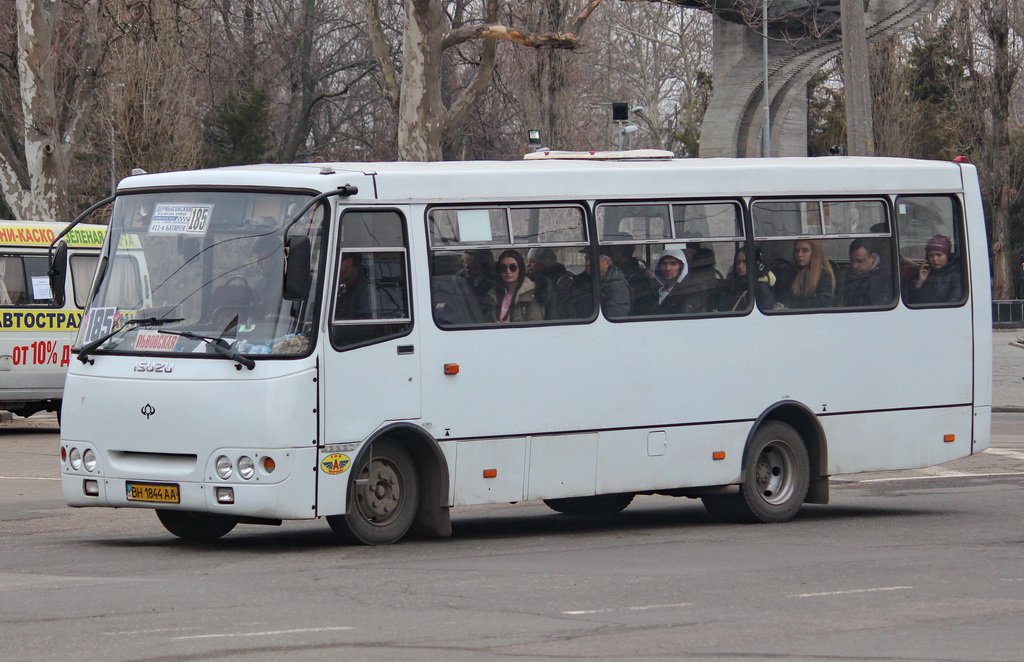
(297, 277)
(58, 271)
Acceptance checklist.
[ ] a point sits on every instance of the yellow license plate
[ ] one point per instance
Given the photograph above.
(152, 492)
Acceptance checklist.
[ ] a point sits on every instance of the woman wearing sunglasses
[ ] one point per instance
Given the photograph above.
(514, 297)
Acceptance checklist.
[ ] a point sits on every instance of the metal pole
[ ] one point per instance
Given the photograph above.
(766, 129)
(113, 165)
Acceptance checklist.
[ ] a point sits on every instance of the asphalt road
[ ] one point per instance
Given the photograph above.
(920, 565)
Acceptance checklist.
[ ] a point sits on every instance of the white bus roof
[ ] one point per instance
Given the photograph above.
(574, 179)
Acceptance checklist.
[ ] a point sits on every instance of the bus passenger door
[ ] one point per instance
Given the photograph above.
(371, 372)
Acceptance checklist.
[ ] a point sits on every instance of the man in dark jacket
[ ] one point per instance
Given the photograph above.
(552, 280)
(614, 290)
(869, 282)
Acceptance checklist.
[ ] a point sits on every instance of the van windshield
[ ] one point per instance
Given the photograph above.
(204, 264)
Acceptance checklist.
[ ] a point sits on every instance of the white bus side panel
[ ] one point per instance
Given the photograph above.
(982, 302)
(907, 439)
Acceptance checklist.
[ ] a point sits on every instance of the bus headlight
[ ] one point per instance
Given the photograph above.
(246, 467)
(89, 460)
(75, 458)
(224, 467)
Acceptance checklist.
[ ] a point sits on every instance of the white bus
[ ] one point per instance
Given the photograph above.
(359, 341)
(38, 328)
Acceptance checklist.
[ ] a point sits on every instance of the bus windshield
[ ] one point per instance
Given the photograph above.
(196, 271)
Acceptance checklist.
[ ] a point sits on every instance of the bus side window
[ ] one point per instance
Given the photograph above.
(10, 267)
(931, 251)
(83, 268)
(371, 295)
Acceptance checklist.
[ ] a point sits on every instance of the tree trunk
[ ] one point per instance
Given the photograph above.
(42, 199)
(422, 114)
(999, 175)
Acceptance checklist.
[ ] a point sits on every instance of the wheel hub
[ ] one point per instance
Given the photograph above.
(381, 498)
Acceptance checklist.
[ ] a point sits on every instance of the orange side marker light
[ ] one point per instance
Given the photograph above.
(718, 455)
(949, 437)
(490, 473)
(451, 368)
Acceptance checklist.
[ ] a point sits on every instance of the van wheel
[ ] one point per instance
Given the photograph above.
(383, 499)
(601, 505)
(196, 526)
(775, 479)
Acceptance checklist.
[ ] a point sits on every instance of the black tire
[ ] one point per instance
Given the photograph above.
(601, 505)
(383, 498)
(776, 475)
(196, 526)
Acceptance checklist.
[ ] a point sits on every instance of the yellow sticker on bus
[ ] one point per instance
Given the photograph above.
(50, 320)
(21, 235)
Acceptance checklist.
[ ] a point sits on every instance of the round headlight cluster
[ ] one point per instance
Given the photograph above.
(78, 459)
(224, 468)
(89, 460)
(245, 466)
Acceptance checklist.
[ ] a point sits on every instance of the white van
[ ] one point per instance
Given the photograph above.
(37, 330)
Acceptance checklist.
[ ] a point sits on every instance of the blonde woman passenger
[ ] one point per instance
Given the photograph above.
(814, 285)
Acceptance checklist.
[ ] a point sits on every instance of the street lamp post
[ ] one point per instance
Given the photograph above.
(766, 129)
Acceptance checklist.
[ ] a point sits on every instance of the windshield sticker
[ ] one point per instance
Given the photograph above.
(154, 341)
(100, 321)
(181, 219)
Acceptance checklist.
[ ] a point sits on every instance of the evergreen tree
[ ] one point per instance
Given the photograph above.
(238, 131)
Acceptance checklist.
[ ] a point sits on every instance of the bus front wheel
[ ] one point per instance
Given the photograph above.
(196, 526)
(775, 481)
(383, 499)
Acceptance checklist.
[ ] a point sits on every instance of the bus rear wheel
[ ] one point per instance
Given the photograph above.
(196, 526)
(383, 499)
(775, 481)
(601, 505)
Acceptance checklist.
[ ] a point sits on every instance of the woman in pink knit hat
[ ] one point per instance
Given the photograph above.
(939, 279)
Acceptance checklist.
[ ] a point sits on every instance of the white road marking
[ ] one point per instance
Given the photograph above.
(850, 592)
(638, 608)
(267, 633)
(946, 474)
(1006, 452)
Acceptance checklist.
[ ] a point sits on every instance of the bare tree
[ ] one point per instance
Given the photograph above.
(415, 89)
(53, 66)
(659, 57)
(990, 32)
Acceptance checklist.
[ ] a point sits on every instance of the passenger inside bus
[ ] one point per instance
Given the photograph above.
(734, 293)
(553, 282)
(869, 280)
(938, 279)
(676, 296)
(639, 278)
(814, 283)
(269, 255)
(615, 299)
(353, 300)
(514, 298)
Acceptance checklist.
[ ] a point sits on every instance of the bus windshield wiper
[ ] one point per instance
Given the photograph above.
(85, 350)
(218, 344)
